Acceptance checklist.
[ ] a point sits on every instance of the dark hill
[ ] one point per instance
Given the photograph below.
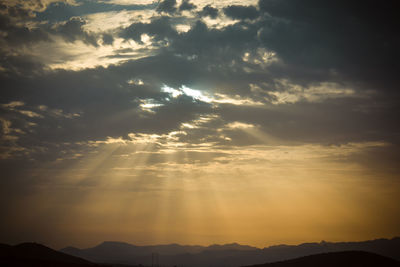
(35, 255)
(335, 259)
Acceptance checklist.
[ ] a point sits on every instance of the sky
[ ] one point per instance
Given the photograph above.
(198, 122)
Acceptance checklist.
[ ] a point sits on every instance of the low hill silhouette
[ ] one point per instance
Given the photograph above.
(335, 259)
(37, 255)
(224, 255)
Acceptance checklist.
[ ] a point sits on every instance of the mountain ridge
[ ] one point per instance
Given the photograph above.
(232, 254)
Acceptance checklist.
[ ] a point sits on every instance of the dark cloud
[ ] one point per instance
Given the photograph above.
(19, 64)
(62, 11)
(357, 41)
(335, 121)
(19, 35)
(209, 11)
(94, 104)
(241, 12)
(160, 28)
(228, 43)
(34, 5)
(109, 106)
(72, 30)
(167, 6)
(108, 39)
(186, 5)
(14, 23)
(17, 12)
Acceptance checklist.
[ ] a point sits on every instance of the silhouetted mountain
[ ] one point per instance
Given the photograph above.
(224, 255)
(119, 252)
(335, 259)
(232, 246)
(32, 255)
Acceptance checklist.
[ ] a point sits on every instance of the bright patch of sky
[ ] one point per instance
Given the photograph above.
(223, 3)
(182, 28)
(78, 55)
(149, 104)
(105, 21)
(173, 92)
(196, 94)
(129, 2)
(239, 125)
(208, 97)
(292, 93)
(219, 22)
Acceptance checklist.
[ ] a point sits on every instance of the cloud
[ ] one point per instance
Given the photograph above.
(13, 104)
(277, 72)
(16, 12)
(358, 45)
(108, 39)
(159, 28)
(19, 35)
(167, 6)
(72, 30)
(186, 5)
(37, 5)
(209, 11)
(241, 12)
(62, 11)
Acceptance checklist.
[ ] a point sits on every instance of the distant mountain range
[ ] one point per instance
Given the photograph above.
(337, 259)
(36, 255)
(229, 255)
